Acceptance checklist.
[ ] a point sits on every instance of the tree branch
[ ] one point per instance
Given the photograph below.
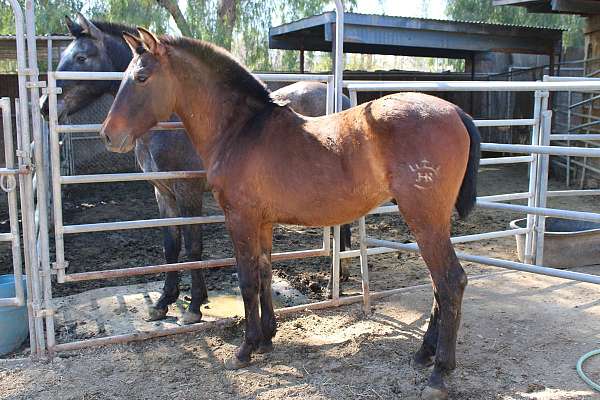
(226, 19)
(173, 8)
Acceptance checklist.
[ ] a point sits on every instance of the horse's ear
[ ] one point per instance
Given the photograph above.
(74, 28)
(151, 41)
(134, 42)
(88, 27)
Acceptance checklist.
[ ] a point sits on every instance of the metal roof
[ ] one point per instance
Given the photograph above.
(8, 46)
(580, 7)
(378, 34)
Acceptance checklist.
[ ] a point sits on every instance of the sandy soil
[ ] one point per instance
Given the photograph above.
(520, 339)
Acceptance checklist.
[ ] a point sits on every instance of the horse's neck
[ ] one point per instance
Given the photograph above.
(119, 52)
(211, 117)
(120, 57)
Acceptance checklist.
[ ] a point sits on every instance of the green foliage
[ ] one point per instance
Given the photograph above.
(52, 11)
(484, 11)
(249, 37)
(137, 13)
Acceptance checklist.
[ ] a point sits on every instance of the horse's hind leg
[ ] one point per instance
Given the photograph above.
(267, 313)
(430, 224)
(170, 293)
(345, 243)
(192, 235)
(424, 357)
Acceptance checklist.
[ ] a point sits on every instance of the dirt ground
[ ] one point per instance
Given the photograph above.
(520, 338)
(135, 200)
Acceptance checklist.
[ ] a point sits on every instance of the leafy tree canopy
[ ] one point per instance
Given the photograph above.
(240, 25)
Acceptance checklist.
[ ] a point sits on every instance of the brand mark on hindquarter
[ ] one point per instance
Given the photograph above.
(425, 174)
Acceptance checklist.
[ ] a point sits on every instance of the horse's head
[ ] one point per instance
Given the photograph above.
(92, 50)
(146, 94)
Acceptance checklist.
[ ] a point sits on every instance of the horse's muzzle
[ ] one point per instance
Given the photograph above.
(123, 143)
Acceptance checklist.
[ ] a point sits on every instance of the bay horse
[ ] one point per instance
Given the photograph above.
(267, 164)
(98, 46)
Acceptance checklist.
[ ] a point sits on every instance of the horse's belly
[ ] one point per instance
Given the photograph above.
(328, 209)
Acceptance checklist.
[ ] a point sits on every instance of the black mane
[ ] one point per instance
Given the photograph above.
(116, 48)
(222, 63)
(114, 29)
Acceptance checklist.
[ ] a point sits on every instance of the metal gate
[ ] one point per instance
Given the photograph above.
(30, 182)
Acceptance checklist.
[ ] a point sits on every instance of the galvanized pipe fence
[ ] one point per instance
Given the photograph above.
(28, 172)
(33, 162)
(539, 151)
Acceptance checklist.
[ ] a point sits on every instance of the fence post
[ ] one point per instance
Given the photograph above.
(335, 276)
(364, 266)
(533, 167)
(41, 241)
(9, 186)
(60, 265)
(546, 129)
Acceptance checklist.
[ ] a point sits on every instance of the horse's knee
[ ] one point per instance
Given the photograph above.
(248, 287)
(264, 266)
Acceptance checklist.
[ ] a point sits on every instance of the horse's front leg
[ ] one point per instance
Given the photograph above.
(245, 234)
(192, 235)
(170, 293)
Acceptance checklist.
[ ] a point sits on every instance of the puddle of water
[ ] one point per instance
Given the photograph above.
(226, 305)
(223, 306)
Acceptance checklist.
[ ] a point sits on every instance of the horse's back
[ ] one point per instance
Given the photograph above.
(307, 98)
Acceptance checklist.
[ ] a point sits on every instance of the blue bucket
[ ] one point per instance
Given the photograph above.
(14, 325)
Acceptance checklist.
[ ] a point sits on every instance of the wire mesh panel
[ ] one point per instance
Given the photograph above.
(84, 153)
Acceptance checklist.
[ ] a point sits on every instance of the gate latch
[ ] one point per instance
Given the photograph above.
(38, 84)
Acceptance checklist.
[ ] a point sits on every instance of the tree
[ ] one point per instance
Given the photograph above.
(484, 11)
(226, 18)
(173, 8)
(239, 25)
(52, 10)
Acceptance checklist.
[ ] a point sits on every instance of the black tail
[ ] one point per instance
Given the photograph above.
(467, 196)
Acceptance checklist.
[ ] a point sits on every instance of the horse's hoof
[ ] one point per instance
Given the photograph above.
(431, 393)
(156, 314)
(234, 363)
(189, 318)
(264, 348)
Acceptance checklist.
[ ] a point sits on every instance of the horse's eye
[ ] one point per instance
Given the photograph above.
(141, 78)
(81, 59)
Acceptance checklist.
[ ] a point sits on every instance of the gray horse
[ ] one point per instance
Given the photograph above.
(98, 46)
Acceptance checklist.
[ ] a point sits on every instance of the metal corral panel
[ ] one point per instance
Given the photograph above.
(377, 34)
(84, 153)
